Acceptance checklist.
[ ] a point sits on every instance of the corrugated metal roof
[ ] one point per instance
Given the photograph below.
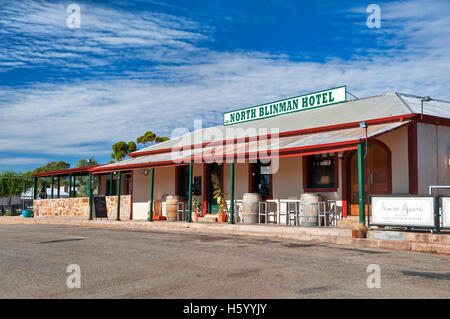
(364, 109)
(240, 148)
(67, 171)
(434, 107)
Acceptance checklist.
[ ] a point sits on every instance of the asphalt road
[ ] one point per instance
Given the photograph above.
(147, 264)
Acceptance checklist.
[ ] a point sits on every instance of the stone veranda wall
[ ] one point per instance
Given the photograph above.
(111, 206)
(79, 206)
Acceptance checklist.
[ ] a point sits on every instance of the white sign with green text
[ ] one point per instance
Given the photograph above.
(286, 106)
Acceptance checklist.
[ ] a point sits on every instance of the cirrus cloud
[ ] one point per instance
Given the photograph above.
(184, 79)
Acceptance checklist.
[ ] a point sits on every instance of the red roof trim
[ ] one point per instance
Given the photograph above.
(66, 171)
(436, 120)
(305, 150)
(133, 166)
(400, 118)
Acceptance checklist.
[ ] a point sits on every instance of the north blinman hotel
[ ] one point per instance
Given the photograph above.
(327, 149)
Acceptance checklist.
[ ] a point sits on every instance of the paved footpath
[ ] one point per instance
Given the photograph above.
(127, 263)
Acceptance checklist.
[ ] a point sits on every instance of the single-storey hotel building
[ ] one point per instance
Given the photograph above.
(340, 150)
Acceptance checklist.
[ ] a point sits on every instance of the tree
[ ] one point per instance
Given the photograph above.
(83, 181)
(52, 166)
(13, 184)
(84, 163)
(121, 149)
(131, 147)
(159, 139)
(150, 137)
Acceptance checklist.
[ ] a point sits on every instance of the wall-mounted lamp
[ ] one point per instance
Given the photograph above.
(145, 172)
(424, 99)
(362, 124)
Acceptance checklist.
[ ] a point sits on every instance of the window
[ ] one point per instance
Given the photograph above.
(197, 187)
(114, 187)
(183, 181)
(320, 172)
(261, 179)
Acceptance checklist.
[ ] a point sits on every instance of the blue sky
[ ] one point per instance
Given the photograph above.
(133, 66)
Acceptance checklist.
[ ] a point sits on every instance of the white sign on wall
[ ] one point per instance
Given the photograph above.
(446, 212)
(403, 211)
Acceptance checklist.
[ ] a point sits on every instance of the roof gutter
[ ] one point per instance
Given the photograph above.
(397, 118)
(304, 150)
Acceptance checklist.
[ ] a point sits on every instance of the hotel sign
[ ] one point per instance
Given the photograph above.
(409, 211)
(286, 106)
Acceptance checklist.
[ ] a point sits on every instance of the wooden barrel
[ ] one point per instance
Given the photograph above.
(309, 213)
(250, 202)
(171, 206)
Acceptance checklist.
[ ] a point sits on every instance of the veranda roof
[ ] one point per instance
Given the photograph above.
(76, 171)
(305, 144)
(365, 109)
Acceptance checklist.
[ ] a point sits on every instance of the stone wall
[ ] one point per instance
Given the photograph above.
(79, 206)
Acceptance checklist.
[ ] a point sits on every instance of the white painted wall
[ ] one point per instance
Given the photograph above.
(433, 145)
(287, 182)
(240, 180)
(103, 178)
(141, 193)
(164, 184)
(397, 141)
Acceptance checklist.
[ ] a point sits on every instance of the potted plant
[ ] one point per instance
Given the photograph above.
(219, 196)
(360, 231)
(197, 208)
(223, 209)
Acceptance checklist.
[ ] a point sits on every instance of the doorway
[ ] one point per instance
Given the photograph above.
(261, 179)
(377, 174)
(214, 170)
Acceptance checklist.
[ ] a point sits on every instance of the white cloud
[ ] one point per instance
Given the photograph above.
(412, 27)
(85, 118)
(40, 34)
(11, 161)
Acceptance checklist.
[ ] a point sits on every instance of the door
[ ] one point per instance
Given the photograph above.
(261, 179)
(376, 175)
(214, 169)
